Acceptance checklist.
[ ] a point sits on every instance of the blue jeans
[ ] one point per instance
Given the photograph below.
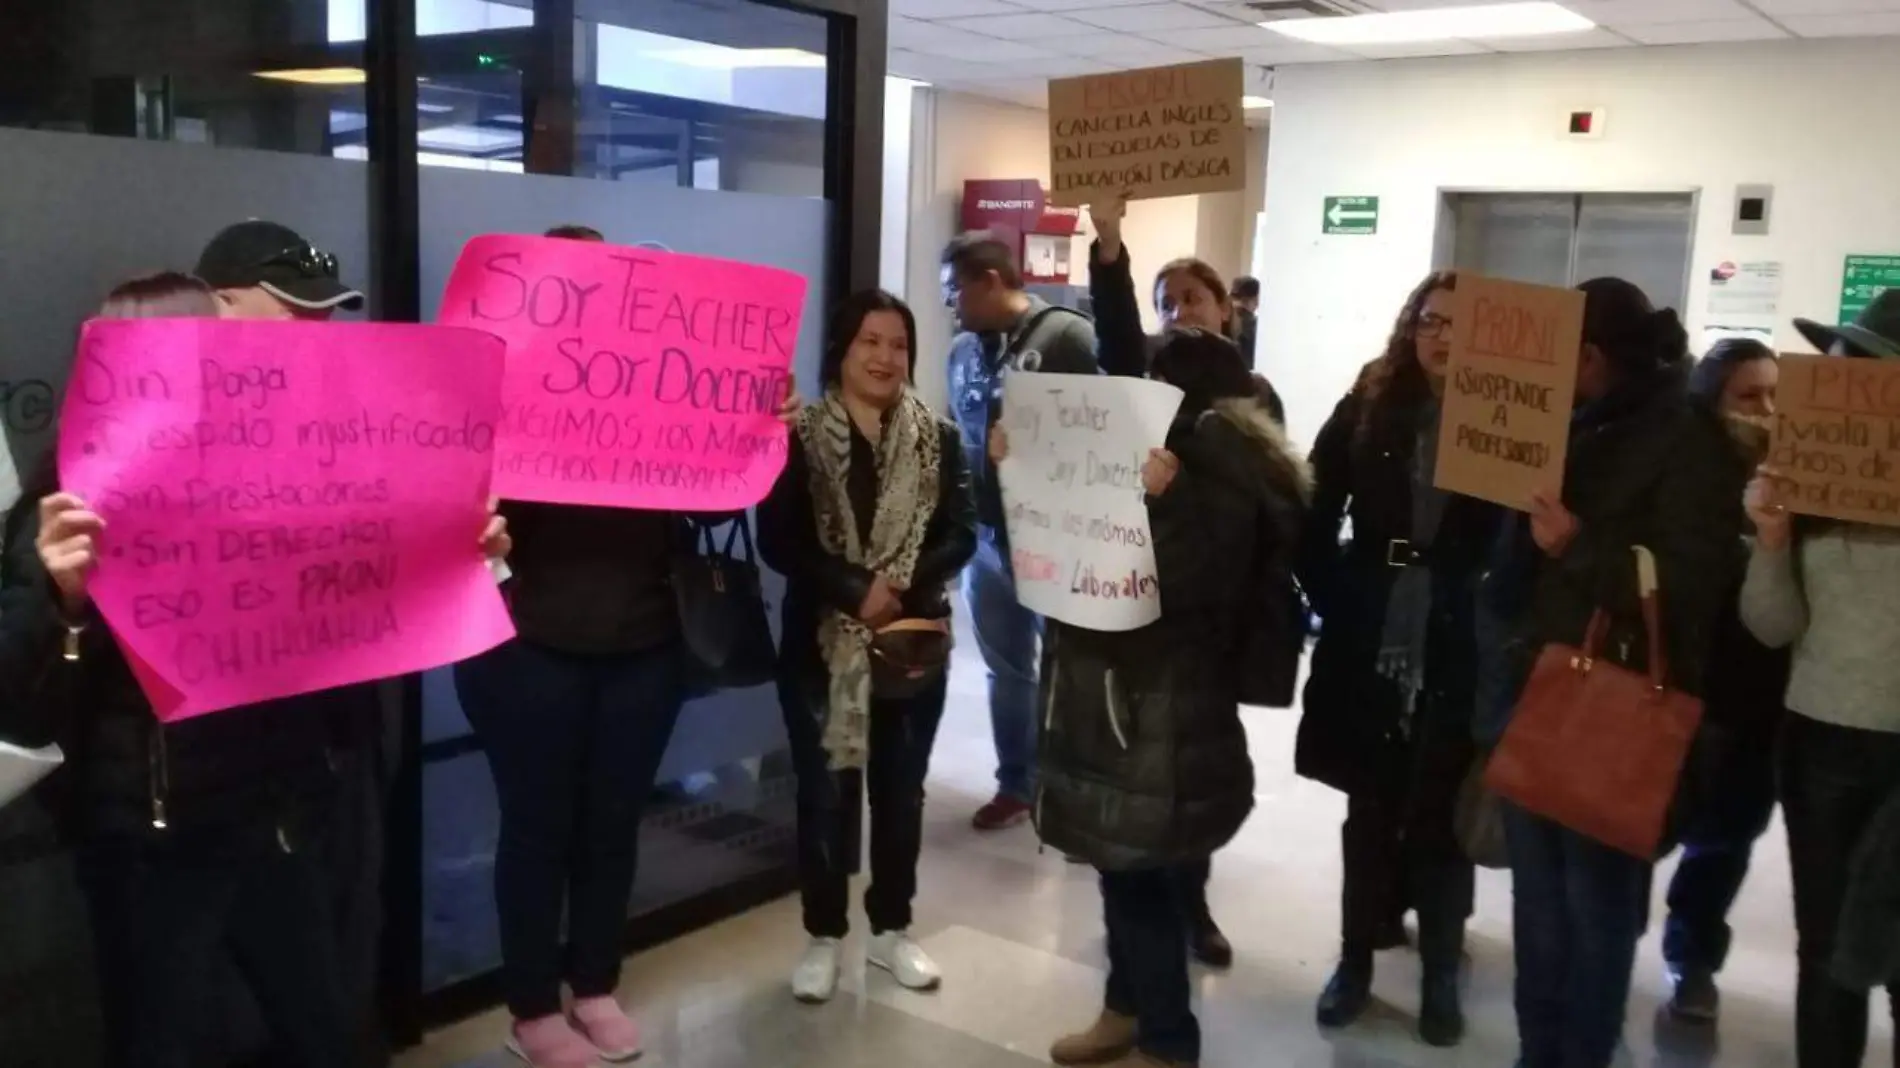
(1148, 960)
(574, 743)
(1717, 841)
(1009, 636)
(1579, 908)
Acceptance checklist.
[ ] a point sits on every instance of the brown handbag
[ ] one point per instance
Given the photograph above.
(908, 655)
(1596, 747)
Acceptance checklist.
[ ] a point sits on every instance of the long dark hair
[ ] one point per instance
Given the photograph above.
(1710, 377)
(1638, 339)
(848, 317)
(1205, 366)
(1395, 379)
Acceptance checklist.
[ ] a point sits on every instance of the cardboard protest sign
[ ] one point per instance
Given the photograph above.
(1079, 539)
(636, 378)
(1836, 444)
(1159, 132)
(1508, 390)
(289, 506)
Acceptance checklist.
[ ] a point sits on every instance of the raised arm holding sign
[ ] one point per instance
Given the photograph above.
(287, 506)
(1079, 537)
(636, 378)
(1509, 390)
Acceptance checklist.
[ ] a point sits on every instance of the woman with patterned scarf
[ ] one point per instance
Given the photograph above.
(869, 523)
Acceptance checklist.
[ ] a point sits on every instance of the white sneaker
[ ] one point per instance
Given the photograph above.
(815, 979)
(895, 952)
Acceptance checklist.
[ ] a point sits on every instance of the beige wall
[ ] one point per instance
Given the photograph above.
(958, 137)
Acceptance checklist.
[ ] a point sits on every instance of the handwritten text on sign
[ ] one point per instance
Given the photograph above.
(1078, 519)
(635, 378)
(288, 506)
(1509, 387)
(1837, 438)
(1160, 132)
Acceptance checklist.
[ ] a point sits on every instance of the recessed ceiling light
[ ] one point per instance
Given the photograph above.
(1255, 103)
(1436, 24)
(318, 76)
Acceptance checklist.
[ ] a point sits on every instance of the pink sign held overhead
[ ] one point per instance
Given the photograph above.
(636, 378)
(289, 506)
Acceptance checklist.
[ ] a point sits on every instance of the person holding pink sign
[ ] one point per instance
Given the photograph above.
(199, 841)
(871, 520)
(575, 715)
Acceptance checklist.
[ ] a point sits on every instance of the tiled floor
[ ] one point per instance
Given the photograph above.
(1018, 933)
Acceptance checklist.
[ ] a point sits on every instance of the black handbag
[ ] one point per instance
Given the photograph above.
(722, 610)
(909, 655)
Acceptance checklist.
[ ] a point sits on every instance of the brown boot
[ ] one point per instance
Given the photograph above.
(1111, 1039)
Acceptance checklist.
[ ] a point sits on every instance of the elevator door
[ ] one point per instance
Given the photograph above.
(1563, 238)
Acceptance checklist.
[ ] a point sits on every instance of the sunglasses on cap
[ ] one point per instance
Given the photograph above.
(305, 259)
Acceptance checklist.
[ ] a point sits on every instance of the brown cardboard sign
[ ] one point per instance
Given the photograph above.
(1836, 445)
(1508, 389)
(1158, 132)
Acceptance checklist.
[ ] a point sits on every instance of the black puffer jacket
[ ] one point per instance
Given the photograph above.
(272, 763)
(1351, 714)
(1144, 760)
(1646, 467)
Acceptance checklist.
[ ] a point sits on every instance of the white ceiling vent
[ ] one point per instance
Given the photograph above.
(1279, 10)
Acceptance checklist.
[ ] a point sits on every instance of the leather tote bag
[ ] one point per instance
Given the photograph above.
(722, 609)
(1594, 746)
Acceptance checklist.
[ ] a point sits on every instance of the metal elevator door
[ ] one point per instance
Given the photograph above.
(1562, 239)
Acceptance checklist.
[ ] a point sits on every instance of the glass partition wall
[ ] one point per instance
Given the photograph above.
(390, 132)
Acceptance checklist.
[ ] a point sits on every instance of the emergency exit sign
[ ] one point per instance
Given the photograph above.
(1351, 215)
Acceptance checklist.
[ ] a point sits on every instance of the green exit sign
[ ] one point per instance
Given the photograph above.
(1351, 215)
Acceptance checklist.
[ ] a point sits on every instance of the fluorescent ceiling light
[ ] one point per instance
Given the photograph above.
(1436, 24)
(318, 76)
(719, 57)
(1255, 103)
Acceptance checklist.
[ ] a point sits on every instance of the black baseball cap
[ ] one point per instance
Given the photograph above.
(278, 260)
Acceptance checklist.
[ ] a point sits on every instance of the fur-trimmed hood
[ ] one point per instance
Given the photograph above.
(1282, 470)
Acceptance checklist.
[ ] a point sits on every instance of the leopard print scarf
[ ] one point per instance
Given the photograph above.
(909, 471)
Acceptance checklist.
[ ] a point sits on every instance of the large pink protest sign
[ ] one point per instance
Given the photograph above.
(636, 378)
(289, 506)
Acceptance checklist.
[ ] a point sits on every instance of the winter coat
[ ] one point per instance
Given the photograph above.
(1354, 731)
(1048, 338)
(273, 763)
(816, 580)
(1646, 467)
(1143, 758)
(1124, 348)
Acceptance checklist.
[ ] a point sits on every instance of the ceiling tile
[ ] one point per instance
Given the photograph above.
(1161, 56)
(950, 9)
(1778, 8)
(1677, 33)
(937, 39)
(1619, 13)
(1151, 17)
(1023, 26)
(1057, 67)
(1224, 40)
(1077, 5)
(1870, 24)
(1033, 92)
(1308, 53)
(933, 69)
(1417, 49)
(1106, 44)
(1559, 42)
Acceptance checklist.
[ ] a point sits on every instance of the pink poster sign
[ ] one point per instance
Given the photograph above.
(289, 506)
(636, 378)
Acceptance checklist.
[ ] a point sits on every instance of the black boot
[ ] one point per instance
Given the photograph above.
(1209, 945)
(1348, 992)
(1441, 1020)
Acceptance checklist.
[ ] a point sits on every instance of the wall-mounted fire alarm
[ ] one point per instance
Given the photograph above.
(1587, 123)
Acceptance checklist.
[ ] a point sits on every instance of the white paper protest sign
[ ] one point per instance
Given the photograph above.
(1079, 539)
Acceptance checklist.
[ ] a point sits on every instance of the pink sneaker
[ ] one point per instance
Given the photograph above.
(614, 1034)
(551, 1042)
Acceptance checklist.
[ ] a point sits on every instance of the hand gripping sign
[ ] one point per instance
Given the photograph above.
(289, 506)
(636, 377)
